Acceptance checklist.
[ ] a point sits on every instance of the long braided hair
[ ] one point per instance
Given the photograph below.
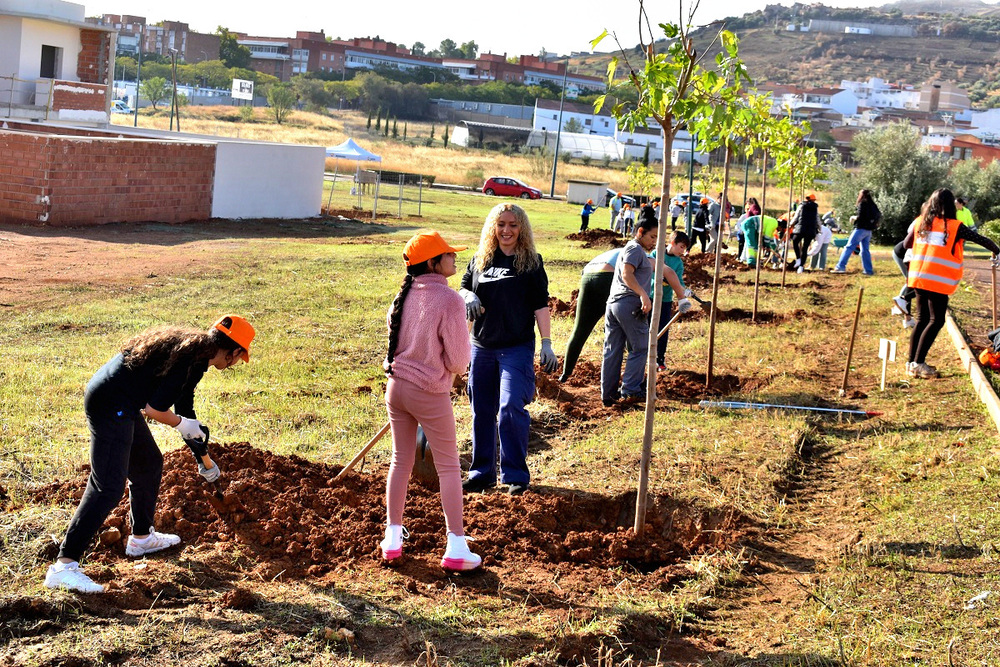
(396, 316)
(940, 205)
(164, 347)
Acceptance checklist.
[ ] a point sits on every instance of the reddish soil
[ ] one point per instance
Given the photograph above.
(293, 520)
(560, 308)
(598, 238)
(699, 269)
(689, 387)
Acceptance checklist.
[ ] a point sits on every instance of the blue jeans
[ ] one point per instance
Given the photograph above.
(859, 237)
(621, 325)
(501, 384)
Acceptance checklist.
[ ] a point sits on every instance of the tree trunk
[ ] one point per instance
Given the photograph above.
(760, 239)
(715, 277)
(654, 317)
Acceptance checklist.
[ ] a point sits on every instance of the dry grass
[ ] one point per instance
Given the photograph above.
(454, 165)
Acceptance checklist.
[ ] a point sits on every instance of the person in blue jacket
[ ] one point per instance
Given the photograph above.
(155, 371)
(588, 208)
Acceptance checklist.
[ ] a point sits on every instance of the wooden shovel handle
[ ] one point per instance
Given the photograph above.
(364, 450)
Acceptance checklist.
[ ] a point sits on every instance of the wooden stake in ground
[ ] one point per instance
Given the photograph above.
(850, 348)
(715, 276)
(993, 292)
(364, 450)
(788, 226)
(760, 239)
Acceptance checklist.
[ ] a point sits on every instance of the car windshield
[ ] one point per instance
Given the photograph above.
(521, 183)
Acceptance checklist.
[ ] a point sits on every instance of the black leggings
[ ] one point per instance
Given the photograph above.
(800, 243)
(590, 304)
(701, 235)
(121, 449)
(931, 309)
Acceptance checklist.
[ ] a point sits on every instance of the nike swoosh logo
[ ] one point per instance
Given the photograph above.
(492, 279)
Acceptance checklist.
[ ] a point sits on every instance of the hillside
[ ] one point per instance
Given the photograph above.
(966, 51)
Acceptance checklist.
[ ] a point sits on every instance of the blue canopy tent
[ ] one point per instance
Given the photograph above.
(349, 150)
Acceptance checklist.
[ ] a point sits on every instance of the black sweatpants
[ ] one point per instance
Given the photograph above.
(931, 309)
(699, 235)
(907, 293)
(800, 243)
(584, 222)
(121, 450)
(591, 302)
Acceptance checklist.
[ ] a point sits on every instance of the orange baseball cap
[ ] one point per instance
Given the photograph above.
(424, 246)
(239, 330)
(705, 200)
(811, 197)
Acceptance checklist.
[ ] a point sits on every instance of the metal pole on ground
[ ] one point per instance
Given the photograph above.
(687, 220)
(555, 156)
(850, 348)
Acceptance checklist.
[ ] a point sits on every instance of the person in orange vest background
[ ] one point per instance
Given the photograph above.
(937, 238)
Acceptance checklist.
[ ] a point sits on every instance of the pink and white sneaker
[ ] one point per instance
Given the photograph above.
(458, 557)
(392, 545)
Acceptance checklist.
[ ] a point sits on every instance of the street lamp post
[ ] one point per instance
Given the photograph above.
(138, 69)
(173, 96)
(555, 157)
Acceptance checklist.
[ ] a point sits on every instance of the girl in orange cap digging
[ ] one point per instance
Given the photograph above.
(428, 345)
(156, 370)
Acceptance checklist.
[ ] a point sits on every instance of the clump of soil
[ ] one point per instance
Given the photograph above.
(560, 308)
(578, 398)
(598, 238)
(239, 598)
(699, 269)
(689, 386)
(289, 516)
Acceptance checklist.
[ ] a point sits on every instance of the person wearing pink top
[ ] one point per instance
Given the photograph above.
(428, 345)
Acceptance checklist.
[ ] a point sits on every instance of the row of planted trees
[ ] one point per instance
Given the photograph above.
(679, 89)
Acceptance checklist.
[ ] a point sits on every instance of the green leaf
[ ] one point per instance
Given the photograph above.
(597, 40)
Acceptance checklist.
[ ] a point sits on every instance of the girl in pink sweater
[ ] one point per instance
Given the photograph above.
(428, 345)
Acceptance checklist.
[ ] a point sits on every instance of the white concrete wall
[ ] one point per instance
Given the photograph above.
(10, 46)
(69, 11)
(256, 180)
(36, 33)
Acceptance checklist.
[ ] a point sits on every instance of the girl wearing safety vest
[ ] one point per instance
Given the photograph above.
(937, 238)
(155, 371)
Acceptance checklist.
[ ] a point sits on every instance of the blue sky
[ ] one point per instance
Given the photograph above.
(520, 28)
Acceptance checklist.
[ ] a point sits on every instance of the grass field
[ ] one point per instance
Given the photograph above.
(851, 542)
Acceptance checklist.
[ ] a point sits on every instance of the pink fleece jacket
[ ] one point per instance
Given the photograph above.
(433, 336)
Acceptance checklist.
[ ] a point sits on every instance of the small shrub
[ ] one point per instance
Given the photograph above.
(991, 230)
(586, 160)
(474, 178)
(246, 114)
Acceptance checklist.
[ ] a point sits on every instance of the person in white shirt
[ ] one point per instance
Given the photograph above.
(819, 247)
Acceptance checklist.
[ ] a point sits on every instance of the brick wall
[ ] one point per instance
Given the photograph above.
(92, 62)
(86, 180)
(81, 96)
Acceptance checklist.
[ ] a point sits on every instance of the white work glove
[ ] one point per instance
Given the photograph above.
(210, 474)
(546, 357)
(473, 306)
(684, 305)
(688, 293)
(190, 429)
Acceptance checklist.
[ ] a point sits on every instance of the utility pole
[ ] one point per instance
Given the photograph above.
(173, 96)
(555, 157)
(138, 69)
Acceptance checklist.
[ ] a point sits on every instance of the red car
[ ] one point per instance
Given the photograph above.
(510, 187)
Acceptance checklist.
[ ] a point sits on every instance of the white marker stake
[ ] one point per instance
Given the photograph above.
(887, 353)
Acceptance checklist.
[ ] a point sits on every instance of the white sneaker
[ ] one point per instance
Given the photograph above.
(922, 371)
(900, 305)
(909, 322)
(69, 577)
(392, 545)
(153, 542)
(458, 557)
(836, 270)
(800, 270)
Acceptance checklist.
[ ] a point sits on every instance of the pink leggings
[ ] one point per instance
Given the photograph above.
(409, 405)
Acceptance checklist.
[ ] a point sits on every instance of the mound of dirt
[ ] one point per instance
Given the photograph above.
(580, 397)
(559, 308)
(290, 516)
(598, 238)
(699, 269)
(689, 386)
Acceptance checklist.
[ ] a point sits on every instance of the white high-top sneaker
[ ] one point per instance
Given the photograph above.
(392, 545)
(458, 557)
(69, 577)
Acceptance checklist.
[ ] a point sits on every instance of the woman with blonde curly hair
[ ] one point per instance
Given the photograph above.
(506, 294)
(155, 370)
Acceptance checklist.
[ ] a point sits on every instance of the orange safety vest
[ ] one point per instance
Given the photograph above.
(937, 258)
